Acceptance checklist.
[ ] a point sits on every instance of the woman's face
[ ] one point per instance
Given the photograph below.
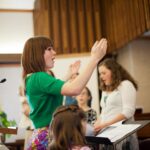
(49, 57)
(83, 97)
(105, 75)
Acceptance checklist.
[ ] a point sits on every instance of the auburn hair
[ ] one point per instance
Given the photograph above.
(33, 54)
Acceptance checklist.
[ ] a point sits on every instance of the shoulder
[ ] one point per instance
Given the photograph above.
(126, 83)
(40, 76)
(127, 86)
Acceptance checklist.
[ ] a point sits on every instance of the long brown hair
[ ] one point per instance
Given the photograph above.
(118, 74)
(66, 128)
(33, 54)
(90, 96)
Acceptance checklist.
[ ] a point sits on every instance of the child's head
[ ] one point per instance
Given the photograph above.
(84, 97)
(68, 127)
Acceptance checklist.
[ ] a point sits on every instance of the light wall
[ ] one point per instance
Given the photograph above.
(15, 29)
(16, 4)
(135, 57)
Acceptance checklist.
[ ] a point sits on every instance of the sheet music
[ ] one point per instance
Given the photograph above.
(114, 133)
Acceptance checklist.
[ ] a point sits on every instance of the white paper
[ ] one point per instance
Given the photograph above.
(114, 133)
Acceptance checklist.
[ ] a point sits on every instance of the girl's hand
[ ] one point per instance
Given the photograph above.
(99, 126)
(99, 49)
(74, 68)
(72, 71)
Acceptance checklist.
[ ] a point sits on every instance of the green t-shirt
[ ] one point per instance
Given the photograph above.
(44, 95)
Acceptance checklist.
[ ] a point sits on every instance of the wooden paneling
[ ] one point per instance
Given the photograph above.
(10, 58)
(147, 12)
(64, 16)
(144, 132)
(41, 18)
(123, 21)
(89, 23)
(97, 20)
(82, 25)
(56, 24)
(74, 25)
(16, 10)
(142, 15)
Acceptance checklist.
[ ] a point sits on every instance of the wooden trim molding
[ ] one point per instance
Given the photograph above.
(17, 10)
(16, 58)
(10, 58)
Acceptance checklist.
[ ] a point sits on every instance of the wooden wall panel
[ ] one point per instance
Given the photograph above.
(65, 26)
(74, 25)
(137, 17)
(147, 13)
(56, 24)
(74, 34)
(142, 16)
(119, 23)
(107, 23)
(50, 16)
(97, 20)
(89, 23)
(126, 22)
(41, 19)
(129, 20)
(82, 26)
(123, 21)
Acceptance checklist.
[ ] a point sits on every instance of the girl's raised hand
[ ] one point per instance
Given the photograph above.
(99, 49)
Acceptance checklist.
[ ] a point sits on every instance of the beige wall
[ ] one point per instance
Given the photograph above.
(135, 57)
(15, 29)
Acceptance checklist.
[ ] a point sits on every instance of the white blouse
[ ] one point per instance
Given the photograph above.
(122, 100)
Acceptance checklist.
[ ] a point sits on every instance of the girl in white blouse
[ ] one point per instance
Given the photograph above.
(118, 99)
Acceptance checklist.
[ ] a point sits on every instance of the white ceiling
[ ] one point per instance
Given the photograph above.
(16, 4)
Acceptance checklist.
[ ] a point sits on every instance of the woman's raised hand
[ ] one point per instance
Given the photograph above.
(99, 49)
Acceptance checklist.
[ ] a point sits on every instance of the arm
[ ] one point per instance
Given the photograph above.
(98, 125)
(128, 93)
(76, 86)
(25, 106)
(26, 109)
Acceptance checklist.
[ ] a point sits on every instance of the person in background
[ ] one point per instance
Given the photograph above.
(43, 91)
(69, 100)
(118, 101)
(71, 121)
(84, 101)
(25, 121)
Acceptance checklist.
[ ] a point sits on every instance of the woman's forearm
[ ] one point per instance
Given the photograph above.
(117, 118)
(101, 125)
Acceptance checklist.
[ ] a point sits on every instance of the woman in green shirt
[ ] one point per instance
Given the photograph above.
(44, 92)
